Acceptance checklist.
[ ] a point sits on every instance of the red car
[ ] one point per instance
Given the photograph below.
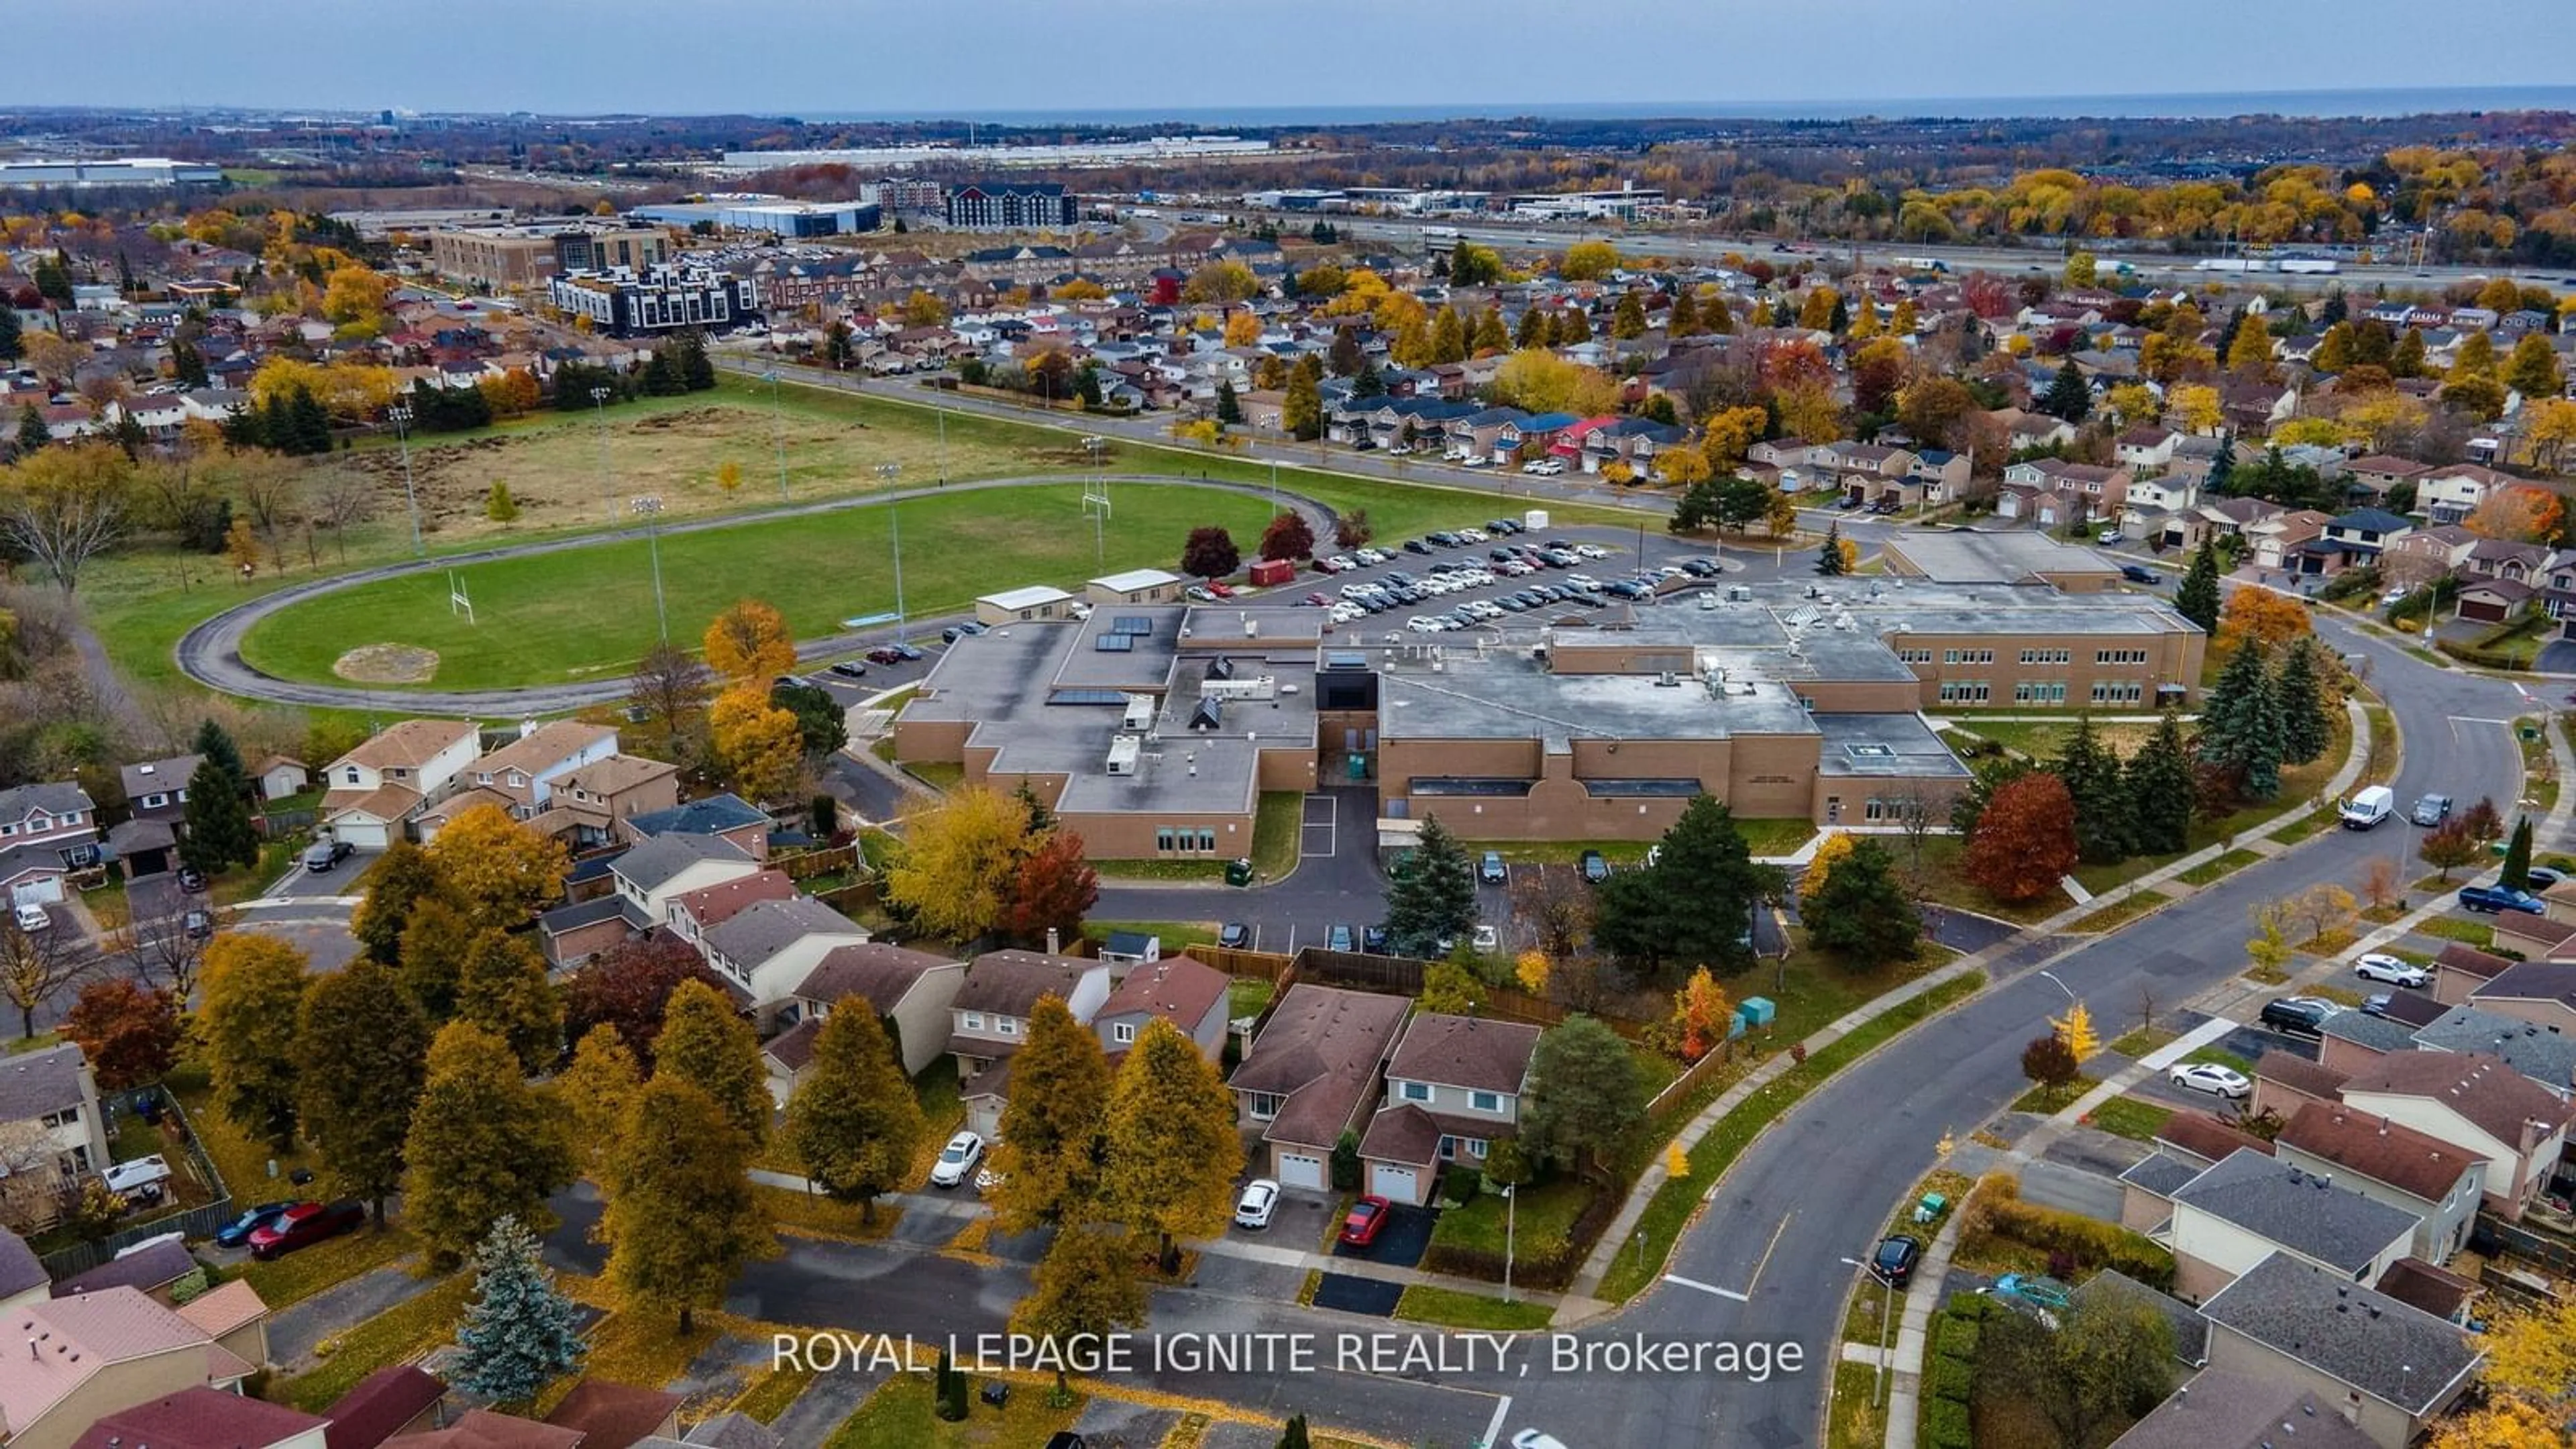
(303, 1225)
(1222, 591)
(1368, 1217)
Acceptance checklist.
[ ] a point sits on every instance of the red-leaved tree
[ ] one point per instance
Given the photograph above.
(1055, 887)
(130, 1033)
(627, 987)
(2024, 840)
(1288, 536)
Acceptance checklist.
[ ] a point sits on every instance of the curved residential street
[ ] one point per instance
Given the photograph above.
(210, 653)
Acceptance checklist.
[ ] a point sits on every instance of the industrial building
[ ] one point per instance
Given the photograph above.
(774, 215)
(21, 175)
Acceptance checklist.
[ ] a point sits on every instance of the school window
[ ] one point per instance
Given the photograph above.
(1163, 842)
(2044, 656)
(1965, 691)
(2117, 691)
(1207, 840)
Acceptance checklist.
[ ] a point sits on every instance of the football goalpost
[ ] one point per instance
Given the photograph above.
(457, 602)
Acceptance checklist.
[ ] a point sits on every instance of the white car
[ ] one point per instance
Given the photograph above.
(32, 918)
(1590, 550)
(1536, 1439)
(1424, 624)
(957, 1160)
(1486, 938)
(2211, 1077)
(2380, 966)
(1260, 1199)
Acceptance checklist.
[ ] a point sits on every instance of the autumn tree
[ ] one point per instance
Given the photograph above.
(501, 986)
(394, 887)
(1588, 261)
(668, 693)
(680, 1218)
(483, 1145)
(2075, 1028)
(1169, 1105)
(2449, 846)
(1209, 553)
(1289, 536)
(1831, 851)
(749, 642)
(959, 860)
(2048, 1062)
(709, 1045)
(1053, 1123)
(854, 1123)
(128, 1033)
(359, 1057)
(1701, 1013)
(63, 506)
(1052, 888)
(496, 869)
(755, 744)
(1084, 1290)
(593, 1091)
(2263, 617)
(2517, 514)
(2024, 840)
(628, 987)
(254, 985)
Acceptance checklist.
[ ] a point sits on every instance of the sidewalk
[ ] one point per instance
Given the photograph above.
(1582, 1301)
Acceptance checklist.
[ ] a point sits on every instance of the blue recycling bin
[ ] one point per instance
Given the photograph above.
(1757, 1011)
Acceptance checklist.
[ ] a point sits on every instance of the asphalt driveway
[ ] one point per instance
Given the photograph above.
(1400, 1243)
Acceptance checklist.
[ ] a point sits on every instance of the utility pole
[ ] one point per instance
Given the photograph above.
(894, 525)
(650, 510)
(777, 434)
(400, 413)
(599, 414)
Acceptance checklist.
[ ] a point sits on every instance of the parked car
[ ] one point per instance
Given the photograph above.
(2540, 878)
(2298, 1015)
(305, 1224)
(850, 669)
(2140, 574)
(1260, 1199)
(2376, 1004)
(1893, 1263)
(2493, 899)
(1373, 940)
(2211, 1077)
(198, 924)
(2380, 966)
(1492, 869)
(957, 1159)
(191, 879)
(31, 918)
(321, 855)
(1236, 936)
(2432, 810)
(1595, 867)
(237, 1232)
(1338, 939)
(1486, 938)
(884, 654)
(1366, 1220)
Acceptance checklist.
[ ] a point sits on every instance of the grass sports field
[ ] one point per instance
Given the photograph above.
(588, 612)
(576, 615)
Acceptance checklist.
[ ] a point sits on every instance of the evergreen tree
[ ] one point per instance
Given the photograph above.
(1838, 321)
(309, 423)
(501, 986)
(2517, 856)
(1344, 355)
(2094, 781)
(1829, 556)
(1052, 1123)
(2240, 724)
(1586, 1094)
(706, 1043)
(2067, 396)
(1694, 905)
(1683, 318)
(681, 1218)
(2306, 728)
(2196, 598)
(1861, 911)
(216, 745)
(662, 373)
(1368, 382)
(483, 1145)
(2222, 469)
(1431, 894)
(1293, 1436)
(1229, 407)
(2160, 792)
(854, 1122)
(520, 1333)
(215, 823)
(187, 364)
(360, 1046)
(12, 336)
(697, 370)
(32, 432)
(498, 505)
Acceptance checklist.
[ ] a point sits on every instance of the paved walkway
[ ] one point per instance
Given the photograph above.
(1582, 1301)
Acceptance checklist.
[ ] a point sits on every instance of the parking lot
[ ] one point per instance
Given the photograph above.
(1480, 575)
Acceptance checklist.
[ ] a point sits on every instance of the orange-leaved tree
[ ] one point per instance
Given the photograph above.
(2024, 840)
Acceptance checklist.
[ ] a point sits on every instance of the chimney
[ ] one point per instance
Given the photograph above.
(1055, 942)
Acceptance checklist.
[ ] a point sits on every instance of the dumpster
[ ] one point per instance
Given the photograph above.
(1359, 767)
(1270, 573)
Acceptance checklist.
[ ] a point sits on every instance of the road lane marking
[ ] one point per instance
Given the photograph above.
(1494, 1425)
(1707, 1287)
(1767, 1251)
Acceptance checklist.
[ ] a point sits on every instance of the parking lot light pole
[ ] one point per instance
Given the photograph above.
(400, 415)
(894, 525)
(777, 433)
(599, 415)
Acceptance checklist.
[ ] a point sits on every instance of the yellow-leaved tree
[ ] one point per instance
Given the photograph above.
(1700, 1010)
(496, 869)
(1830, 852)
(958, 861)
(756, 744)
(1242, 328)
(750, 642)
(2076, 1029)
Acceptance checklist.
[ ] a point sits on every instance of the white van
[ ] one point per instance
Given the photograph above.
(2368, 807)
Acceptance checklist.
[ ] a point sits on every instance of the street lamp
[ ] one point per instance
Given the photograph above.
(400, 414)
(1511, 1206)
(777, 437)
(894, 525)
(599, 414)
(650, 510)
(1886, 1316)
(2060, 985)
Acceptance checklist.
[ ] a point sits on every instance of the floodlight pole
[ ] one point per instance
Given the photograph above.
(599, 414)
(400, 414)
(777, 433)
(894, 525)
(650, 510)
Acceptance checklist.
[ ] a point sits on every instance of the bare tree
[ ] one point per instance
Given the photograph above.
(669, 690)
(1555, 908)
(269, 487)
(343, 497)
(67, 506)
(35, 967)
(161, 951)
(31, 1182)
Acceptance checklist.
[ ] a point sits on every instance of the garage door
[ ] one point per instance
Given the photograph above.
(2482, 610)
(361, 834)
(1395, 1184)
(43, 890)
(1298, 1170)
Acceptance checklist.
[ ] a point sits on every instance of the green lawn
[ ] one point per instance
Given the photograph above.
(899, 1416)
(1424, 1304)
(2220, 1056)
(1248, 996)
(399, 1333)
(1276, 832)
(2129, 1117)
(1764, 837)
(1177, 936)
(2210, 870)
(2452, 928)
(1545, 1213)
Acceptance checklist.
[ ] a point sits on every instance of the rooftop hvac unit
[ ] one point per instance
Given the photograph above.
(1140, 712)
(1260, 687)
(1123, 753)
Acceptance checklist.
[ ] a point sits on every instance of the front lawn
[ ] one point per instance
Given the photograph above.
(2220, 1056)
(2131, 1118)
(308, 1271)
(2211, 870)
(404, 1331)
(2452, 928)
(899, 1416)
(1545, 1213)
(1424, 1304)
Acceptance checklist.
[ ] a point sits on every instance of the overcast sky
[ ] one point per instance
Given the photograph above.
(950, 57)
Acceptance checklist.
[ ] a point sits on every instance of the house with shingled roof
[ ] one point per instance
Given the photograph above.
(2230, 1217)
(1312, 1074)
(372, 793)
(2479, 1104)
(1453, 1088)
(113, 1350)
(910, 990)
(2387, 1369)
(2389, 1162)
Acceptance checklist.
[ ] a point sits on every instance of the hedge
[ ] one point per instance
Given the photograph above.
(1950, 1378)
(2091, 1242)
(1945, 1425)
(1956, 1338)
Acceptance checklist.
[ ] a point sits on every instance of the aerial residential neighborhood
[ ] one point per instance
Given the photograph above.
(1804, 773)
